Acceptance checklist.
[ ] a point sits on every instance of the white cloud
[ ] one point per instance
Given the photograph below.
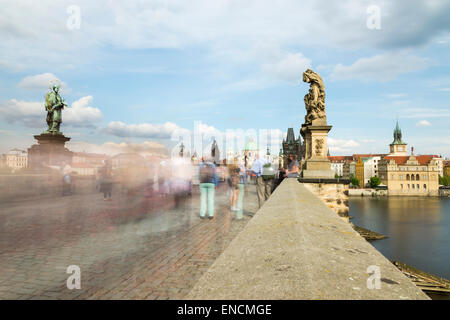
(342, 143)
(288, 68)
(342, 146)
(224, 27)
(33, 114)
(423, 123)
(143, 130)
(40, 81)
(383, 67)
(81, 113)
(113, 148)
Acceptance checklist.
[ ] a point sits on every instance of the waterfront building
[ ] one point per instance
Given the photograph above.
(409, 175)
(446, 169)
(15, 159)
(341, 165)
(368, 166)
(359, 171)
(337, 167)
(440, 163)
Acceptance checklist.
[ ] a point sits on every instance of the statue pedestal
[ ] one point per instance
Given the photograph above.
(316, 163)
(50, 151)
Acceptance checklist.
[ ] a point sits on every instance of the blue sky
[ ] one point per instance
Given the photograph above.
(136, 71)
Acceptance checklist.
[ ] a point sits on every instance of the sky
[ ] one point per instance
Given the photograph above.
(142, 73)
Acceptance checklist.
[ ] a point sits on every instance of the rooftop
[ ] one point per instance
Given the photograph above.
(422, 159)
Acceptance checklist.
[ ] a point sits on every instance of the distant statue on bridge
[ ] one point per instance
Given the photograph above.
(54, 105)
(315, 98)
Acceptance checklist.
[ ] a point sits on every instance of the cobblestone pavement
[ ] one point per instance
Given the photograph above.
(127, 248)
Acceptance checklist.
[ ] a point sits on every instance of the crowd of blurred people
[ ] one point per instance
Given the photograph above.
(175, 177)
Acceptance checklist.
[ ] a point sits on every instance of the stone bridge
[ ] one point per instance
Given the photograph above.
(295, 247)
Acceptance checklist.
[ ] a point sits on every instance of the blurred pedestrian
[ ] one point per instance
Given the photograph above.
(208, 183)
(106, 180)
(293, 166)
(263, 184)
(181, 178)
(67, 178)
(234, 186)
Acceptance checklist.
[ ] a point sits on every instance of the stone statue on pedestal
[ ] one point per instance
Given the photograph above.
(54, 105)
(315, 129)
(315, 98)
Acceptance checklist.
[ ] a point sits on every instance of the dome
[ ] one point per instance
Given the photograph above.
(251, 146)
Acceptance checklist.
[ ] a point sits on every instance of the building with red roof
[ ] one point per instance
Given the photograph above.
(409, 174)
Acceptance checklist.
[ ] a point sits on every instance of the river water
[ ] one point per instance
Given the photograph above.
(418, 229)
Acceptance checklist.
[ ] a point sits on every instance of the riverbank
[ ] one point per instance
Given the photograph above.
(416, 229)
(369, 192)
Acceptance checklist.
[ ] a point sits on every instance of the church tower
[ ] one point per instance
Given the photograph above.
(398, 147)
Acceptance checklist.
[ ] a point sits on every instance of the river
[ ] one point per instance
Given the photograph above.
(418, 229)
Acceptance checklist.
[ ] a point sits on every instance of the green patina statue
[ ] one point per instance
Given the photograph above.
(54, 105)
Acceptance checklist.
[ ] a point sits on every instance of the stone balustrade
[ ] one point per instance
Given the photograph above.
(295, 247)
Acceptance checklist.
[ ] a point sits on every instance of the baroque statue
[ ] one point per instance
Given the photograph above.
(54, 105)
(315, 98)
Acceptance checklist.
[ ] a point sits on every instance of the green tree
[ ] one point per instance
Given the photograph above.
(445, 181)
(354, 181)
(336, 176)
(374, 182)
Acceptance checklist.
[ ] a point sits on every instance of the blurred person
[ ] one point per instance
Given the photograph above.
(181, 178)
(243, 172)
(106, 180)
(242, 186)
(292, 170)
(208, 184)
(263, 185)
(67, 178)
(163, 173)
(234, 186)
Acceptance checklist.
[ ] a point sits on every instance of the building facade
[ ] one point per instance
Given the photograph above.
(409, 175)
(446, 168)
(341, 165)
(359, 171)
(15, 159)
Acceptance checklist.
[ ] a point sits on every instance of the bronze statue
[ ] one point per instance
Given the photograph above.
(54, 105)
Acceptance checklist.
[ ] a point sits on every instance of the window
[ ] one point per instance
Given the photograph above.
(401, 186)
(413, 186)
(407, 177)
(424, 186)
(408, 186)
(418, 187)
(417, 177)
(412, 177)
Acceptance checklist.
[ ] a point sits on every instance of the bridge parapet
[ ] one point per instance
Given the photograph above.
(295, 247)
